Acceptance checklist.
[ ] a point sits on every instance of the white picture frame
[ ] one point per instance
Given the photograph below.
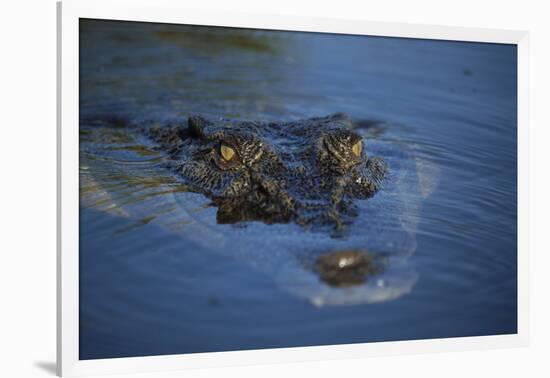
(69, 12)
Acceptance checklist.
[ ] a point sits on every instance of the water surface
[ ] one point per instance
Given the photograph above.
(158, 275)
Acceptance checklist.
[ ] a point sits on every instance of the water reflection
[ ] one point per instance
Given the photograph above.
(174, 69)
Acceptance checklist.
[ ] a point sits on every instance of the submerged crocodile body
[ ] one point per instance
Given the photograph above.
(309, 171)
(317, 173)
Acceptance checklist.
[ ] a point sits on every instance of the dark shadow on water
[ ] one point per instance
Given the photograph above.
(47, 366)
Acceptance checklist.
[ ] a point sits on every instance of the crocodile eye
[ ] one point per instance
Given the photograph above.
(357, 148)
(227, 152)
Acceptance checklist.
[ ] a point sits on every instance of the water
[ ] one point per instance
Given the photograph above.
(159, 276)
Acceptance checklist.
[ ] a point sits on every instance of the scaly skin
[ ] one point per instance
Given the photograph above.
(309, 171)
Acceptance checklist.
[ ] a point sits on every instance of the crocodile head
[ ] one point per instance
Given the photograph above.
(309, 171)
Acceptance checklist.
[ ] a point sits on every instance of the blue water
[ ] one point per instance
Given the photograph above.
(159, 276)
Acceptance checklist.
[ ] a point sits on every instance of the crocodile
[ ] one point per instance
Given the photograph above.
(317, 173)
(308, 171)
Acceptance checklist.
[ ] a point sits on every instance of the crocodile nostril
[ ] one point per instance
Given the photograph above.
(346, 268)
